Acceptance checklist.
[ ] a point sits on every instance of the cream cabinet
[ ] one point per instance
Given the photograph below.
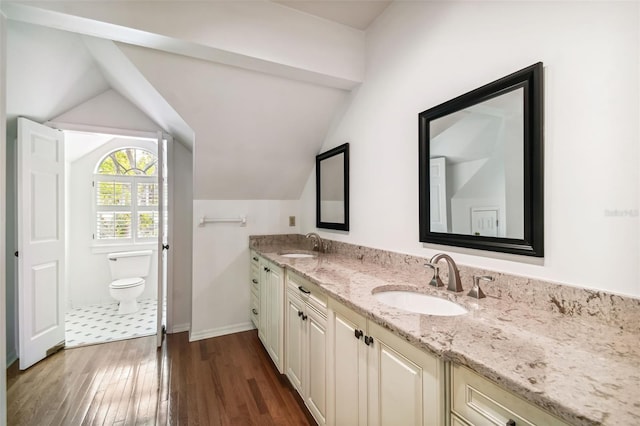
(271, 313)
(347, 355)
(477, 401)
(305, 343)
(254, 285)
(377, 378)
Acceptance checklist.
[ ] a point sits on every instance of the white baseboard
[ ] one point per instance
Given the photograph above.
(179, 328)
(11, 358)
(221, 331)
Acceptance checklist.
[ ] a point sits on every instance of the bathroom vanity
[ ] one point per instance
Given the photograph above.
(526, 354)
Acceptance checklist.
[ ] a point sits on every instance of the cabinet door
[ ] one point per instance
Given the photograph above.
(294, 336)
(315, 365)
(275, 323)
(404, 382)
(348, 375)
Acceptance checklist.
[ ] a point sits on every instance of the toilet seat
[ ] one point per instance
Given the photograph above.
(127, 282)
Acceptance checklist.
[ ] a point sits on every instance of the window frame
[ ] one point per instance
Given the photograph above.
(133, 207)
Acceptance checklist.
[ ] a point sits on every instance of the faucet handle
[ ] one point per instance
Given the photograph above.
(435, 281)
(476, 291)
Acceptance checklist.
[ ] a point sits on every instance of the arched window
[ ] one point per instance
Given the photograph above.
(126, 196)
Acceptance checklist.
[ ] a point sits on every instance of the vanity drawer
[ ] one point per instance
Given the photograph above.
(255, 260)
(478, 401)
(307, 291)
(254, 310)
(254, 279)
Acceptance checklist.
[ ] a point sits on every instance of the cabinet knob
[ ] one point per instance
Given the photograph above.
(254, 311)
(368, 340)
(300, 313)
(358, 333)
(254, 281)
(255, 258)
(511, 422)
(304, 317)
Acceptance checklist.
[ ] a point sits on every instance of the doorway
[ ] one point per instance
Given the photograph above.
(119, 213)
(105, 211)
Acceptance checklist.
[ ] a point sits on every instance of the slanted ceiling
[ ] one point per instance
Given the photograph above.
(255, 134)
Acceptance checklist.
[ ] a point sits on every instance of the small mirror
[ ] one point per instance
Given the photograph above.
(481, 167)
(332, 188)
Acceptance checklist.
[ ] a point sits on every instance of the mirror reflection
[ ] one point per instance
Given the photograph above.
(332, 188)
(481, 167)
(477, 169)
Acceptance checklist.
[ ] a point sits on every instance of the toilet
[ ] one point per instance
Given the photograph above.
(128, 272)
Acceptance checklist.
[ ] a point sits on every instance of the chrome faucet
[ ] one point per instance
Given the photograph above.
(317, 241)
(435, 281)
(454, 282)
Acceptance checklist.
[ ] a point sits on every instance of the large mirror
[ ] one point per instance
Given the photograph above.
(481, 167)
(332, 188)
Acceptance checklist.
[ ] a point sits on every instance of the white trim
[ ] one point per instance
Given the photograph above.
(109, 248)
(103, 130)
(3, 218)
(170, 207)
(221, 331)
(180, 328)
(11, 358)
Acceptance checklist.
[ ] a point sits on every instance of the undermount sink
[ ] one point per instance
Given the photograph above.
(419, 303)
(297, 255)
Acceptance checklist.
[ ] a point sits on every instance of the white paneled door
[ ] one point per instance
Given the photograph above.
(438, 194)
(165, 261)
(40, 240)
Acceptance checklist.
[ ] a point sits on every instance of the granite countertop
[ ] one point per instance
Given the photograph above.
(585, 372)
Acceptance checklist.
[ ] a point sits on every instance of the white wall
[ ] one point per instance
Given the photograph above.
(421, 54)
(247, 125)
(3, 376)
(220, 292)
(88, 275)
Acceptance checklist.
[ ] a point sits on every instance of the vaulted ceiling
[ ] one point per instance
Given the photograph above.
(253, 99)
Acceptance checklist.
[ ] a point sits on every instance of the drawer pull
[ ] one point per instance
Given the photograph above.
(254, 311)
(254, 281)
(511, 422)
(368, 340)
(358, 333)
(300, 313)
(304, 290)
(255, 258)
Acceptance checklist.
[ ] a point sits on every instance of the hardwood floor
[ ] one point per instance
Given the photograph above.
(227, 380)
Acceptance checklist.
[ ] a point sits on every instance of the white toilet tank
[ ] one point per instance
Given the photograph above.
(126, 264)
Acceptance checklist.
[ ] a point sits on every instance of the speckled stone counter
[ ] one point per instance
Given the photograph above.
(573, 352)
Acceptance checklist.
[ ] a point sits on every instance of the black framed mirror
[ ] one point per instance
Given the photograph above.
(332, 188)
(481, 167)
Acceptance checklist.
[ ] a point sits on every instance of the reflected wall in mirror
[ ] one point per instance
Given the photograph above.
(481, 175)
(332, 188)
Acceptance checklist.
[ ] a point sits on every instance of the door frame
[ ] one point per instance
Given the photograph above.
(153, 136)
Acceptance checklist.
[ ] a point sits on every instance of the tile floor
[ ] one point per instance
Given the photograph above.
(89, 325)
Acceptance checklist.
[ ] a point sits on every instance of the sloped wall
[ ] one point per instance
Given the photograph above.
(421, 54)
